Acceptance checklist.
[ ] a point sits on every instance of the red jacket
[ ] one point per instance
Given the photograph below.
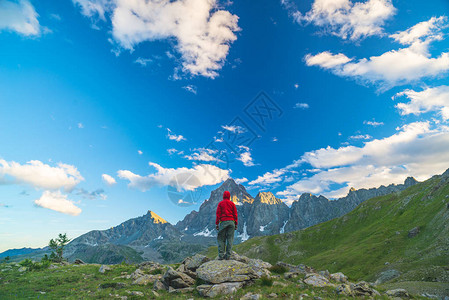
(226, 211)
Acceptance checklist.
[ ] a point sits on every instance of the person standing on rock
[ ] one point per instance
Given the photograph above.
(226, 223)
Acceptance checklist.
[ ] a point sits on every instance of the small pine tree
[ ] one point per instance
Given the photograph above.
(57, 245)
(7, 259)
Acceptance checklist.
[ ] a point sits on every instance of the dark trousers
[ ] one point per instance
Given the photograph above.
(225, 238)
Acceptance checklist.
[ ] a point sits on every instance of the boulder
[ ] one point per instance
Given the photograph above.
(317, 280)
(398, 293)
(104, 268)
(158, 285)
(176, 279)
(22, 269)
(146, 279)
(363, 289)
(226, 288)
(259, 267)
(251, 296)
(79, 262)
(413, 232)
(387, 276)
(338, 277)
(219, 271)
(344, 289)
(325, 274)
(192, 263)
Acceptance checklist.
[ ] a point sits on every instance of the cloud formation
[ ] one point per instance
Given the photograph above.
(20, 17)
(175, 137)
(418, 149)
(57, 201)
(204, 173)
(245, 156)
(204, 154)
(347, 19)
(203, 33)
(429, 99)
(395, 67)
(108, 179)
(40, 175)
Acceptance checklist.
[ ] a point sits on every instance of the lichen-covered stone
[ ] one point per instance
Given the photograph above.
(317, 280)
(219, 271)
(215, 290)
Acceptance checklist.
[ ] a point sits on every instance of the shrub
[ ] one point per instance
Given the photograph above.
(156, 271)
(266, 281)
(278, 269)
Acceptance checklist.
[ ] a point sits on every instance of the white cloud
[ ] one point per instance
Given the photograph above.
(416, 150)
(204, 173)
(80, 125)
(204, 154)
(234, 128)
(175, 137)
(430, 99)
(296, 86)
(19, 16)
(274, 139)
(395, 67)
(108, 179)
(245, 156)
(143, 61)
(327, 60)
(139, 152)
(190, 88)
(173, 151)
(40, 175)
(241, 180)
(301, 105)
(361, 137)
(95, 8)
(373, 123)
(276, 175)
(58, 202)
(347, 19)
(203, 33)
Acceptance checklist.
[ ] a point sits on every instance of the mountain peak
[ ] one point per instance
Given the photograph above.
(267, 198)
(156, 219)
(352, 189)
(410, 181)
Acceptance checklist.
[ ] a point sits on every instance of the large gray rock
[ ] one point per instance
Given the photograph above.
(226, 288)
(338, 277)
(104, 268)
(398, 293)
(192, 263)
(317, 280)
(387, 276)
(176, 279)
(219, 271)
(363, 289)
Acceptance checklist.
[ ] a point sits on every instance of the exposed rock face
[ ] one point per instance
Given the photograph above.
(310, 210)
(202, 223)
(150, 237)
(267, 215)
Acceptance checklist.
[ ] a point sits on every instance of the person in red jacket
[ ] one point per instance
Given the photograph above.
(226, 222)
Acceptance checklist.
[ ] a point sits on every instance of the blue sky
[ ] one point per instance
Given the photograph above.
(106, 104)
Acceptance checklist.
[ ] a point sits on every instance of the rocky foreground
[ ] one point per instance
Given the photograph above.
(217, 278)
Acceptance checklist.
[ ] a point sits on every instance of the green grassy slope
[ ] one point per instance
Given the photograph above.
(372, 238)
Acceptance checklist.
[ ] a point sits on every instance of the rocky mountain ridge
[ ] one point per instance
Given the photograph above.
(267, 215)
(150, 237)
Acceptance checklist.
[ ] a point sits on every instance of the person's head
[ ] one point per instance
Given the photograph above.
(226, 195)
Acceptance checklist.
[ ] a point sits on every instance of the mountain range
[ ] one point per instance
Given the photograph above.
(150, 237)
